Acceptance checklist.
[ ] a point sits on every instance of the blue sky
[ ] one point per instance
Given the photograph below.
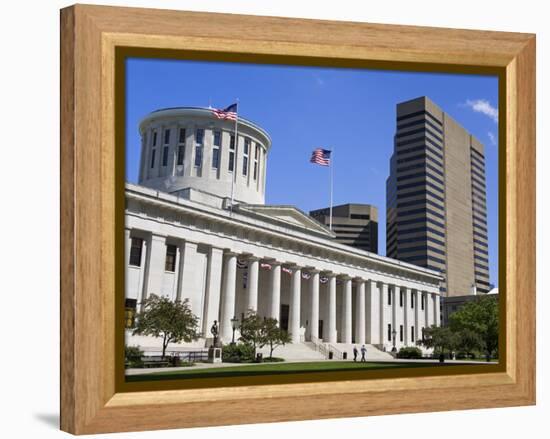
(351, 111)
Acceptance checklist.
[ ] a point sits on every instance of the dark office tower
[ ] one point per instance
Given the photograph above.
(353, 224)
(435, 198)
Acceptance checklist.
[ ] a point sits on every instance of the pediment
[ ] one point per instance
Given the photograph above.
(286, 215)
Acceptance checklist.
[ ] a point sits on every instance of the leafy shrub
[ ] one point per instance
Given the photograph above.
(133, 356)
(176, 361)
(409, 352)
(464, 356)
(238, 353)
(272, 359)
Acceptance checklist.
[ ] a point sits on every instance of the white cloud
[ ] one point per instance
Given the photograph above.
(483, 106)
(493, 139)
(319, 81)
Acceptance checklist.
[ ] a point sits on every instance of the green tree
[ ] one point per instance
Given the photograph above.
(440, 339)
(469, 341)
(479, 317)
(273, 335)
(251, 329)
(170, 320)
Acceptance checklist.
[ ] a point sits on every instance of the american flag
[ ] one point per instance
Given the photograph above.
(320, 156)
(229, 113)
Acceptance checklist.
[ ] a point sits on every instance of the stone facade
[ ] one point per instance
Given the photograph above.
(227, 258)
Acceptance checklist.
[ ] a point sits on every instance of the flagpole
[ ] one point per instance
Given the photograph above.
(331, 187)
(235, 159)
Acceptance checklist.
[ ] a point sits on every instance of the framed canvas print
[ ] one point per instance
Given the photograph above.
(269, 219)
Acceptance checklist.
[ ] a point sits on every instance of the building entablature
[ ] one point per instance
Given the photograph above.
(249, 235)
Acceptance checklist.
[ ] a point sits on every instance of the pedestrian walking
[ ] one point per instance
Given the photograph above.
(355, 352)
(363, 354)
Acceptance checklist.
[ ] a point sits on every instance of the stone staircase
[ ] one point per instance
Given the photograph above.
(373, 353)
(294, 352)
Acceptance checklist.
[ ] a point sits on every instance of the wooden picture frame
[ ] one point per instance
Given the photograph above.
(91, 400)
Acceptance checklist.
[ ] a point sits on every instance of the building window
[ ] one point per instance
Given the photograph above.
(412, 333)
(423, 300)
(166, 137)
(130, 306)
(423, 334)
(216, 157)
(231, 166)
(401, 298)
(155, 138)
(246, 151)
(181, 154)
(389, 331)
(153, 158)
(400, 332)
(217, 138)
(199, 136)
(256, 155)
(165, 156)
(170, 263)
(412, 299)
(217, 142)
(199, 141)
(198, 156)
(181, 147)
(135, 252)
(389, 296)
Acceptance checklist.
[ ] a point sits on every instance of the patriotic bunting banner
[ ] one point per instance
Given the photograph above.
(242, 264)
(265, 266)
(323, 279)
(306, 275)
(286, 270)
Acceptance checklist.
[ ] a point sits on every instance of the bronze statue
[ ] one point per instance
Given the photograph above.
(215, 331)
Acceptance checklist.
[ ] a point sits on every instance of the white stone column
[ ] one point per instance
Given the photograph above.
(372, 293)
(360, 323)
(190, 279)
(142, 291)
(252, 287)
(394, 320)
(155, 265)
(383, 297)
(406, 321)
(331, 324)
(228, 296)
(417, 316)
(346, 336)
(213, 289)
(127, 246)
(429, 309)
(275, 291)
(294, 309)
(314, 304)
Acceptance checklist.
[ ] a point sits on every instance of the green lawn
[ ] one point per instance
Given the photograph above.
(272, 368)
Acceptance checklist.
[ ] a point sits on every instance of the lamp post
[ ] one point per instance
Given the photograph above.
(394, 333)
(234, 323)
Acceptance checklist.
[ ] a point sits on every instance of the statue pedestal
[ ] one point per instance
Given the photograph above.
(214, 355)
